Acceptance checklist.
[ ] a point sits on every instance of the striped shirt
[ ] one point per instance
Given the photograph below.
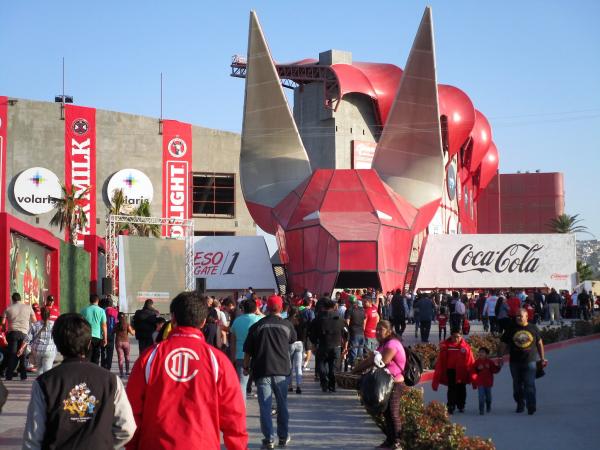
(41, 339)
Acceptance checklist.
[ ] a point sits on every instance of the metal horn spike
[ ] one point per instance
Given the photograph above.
(273, 160)
(409, 154)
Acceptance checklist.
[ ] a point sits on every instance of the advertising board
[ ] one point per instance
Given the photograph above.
(30, 268)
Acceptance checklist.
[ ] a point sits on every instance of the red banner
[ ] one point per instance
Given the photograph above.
(177, 167)
(80, 161)
(3, 136)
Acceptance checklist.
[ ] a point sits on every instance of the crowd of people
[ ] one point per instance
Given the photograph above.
(238, 345)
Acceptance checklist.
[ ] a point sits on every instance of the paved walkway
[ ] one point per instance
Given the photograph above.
(568, 404)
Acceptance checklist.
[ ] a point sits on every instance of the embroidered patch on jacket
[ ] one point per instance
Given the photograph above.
(81, 403)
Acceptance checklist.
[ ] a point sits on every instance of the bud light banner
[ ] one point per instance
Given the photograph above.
(3, 136)
(177, 166)
(233, 262)
(499, 261)
(80, 162)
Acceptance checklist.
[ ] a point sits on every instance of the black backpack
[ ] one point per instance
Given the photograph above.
(413, 368)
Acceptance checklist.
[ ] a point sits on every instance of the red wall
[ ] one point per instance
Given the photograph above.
(43, 237)
(530, 200)
(488, 208)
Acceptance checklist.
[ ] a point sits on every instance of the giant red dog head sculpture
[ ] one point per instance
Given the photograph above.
(355, 228)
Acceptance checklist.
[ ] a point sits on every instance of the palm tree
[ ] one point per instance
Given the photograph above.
(143, 229)
(69, 213)
(584, 272)
(565, 223)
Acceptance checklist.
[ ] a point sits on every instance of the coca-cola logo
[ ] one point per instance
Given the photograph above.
(514, 258)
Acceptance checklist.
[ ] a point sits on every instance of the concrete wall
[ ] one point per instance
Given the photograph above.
(36, 138)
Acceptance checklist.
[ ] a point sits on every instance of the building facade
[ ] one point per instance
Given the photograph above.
(35, 138)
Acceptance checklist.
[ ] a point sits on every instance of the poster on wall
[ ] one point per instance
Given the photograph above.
(233, 262)
(29, 271)
(3, 136)
(498, 261)
(177, 165)
(362, 154)
(80, 162)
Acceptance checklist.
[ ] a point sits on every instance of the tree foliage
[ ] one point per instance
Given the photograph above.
(584, 272)
(69, 214)
(565, 223)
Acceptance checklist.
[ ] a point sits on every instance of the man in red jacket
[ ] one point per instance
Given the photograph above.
(454, 369)
(183, 392)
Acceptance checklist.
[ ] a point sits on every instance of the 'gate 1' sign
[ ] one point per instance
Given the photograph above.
(233, 262)
(498, 260)
(36, 190)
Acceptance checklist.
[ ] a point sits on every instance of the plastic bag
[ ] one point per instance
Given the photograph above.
(376, 387)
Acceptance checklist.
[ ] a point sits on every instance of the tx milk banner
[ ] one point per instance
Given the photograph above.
(498, 261)
(177, 166)
(80, 162)
(233, 262)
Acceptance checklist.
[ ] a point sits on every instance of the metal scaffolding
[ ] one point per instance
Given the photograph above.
(112, 222)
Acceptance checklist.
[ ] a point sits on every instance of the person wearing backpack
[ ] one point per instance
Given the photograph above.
(112, 318)
(389, 354)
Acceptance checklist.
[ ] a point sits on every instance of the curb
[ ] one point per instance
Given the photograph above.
(427, 377)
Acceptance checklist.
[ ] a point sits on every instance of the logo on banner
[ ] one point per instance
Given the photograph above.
(136, 187)
(80, 126)
(514, 258)
(36, 190)
(177, 364)
(177, 194)
(177, 147)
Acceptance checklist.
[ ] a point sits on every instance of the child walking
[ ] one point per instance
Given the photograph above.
(483, 378)
(442, 319)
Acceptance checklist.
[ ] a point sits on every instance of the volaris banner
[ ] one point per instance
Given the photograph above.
(177, 166)
(233, 262)
(3, 136)
(80, 161)
(498, 260)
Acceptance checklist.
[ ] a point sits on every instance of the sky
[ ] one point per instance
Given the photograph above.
(533, 67)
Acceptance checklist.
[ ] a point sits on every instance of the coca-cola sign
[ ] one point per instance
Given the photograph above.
(498, 260)
(513, 258)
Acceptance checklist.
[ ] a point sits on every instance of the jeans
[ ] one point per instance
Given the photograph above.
(554, 309)
(457, 392)
(239, 367)
(123, 349)
(417, 322)
(485, 397)
(44, 361)
(399, 326)
(15, 340)
(442, 330)
(425, 328)
(144, 343)
(95, 350)
(456, 321)
(523, 375)
(106, 353)
(267, 386)
(370, 344)
(357, 344)
(296, 356)
(328, 361)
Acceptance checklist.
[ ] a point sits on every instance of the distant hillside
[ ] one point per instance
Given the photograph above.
(589, 253)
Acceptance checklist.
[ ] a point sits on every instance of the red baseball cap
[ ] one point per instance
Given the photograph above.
(275, 303)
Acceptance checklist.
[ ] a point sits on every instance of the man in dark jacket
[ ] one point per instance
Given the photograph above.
(326, 334)
(426, 315)
(398, 315)
(144, 323)
(77, 404)
(553, 300)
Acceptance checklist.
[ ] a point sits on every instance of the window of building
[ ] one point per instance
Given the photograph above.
(214, 233)
(214, 195)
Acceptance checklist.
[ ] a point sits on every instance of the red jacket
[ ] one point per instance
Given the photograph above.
(452, 355)
(183, 393)
(513, 306)
(483, 372)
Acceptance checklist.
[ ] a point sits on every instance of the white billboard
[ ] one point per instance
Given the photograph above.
(36, 190)
(233, 262)
(136, 187)
(498, 260)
